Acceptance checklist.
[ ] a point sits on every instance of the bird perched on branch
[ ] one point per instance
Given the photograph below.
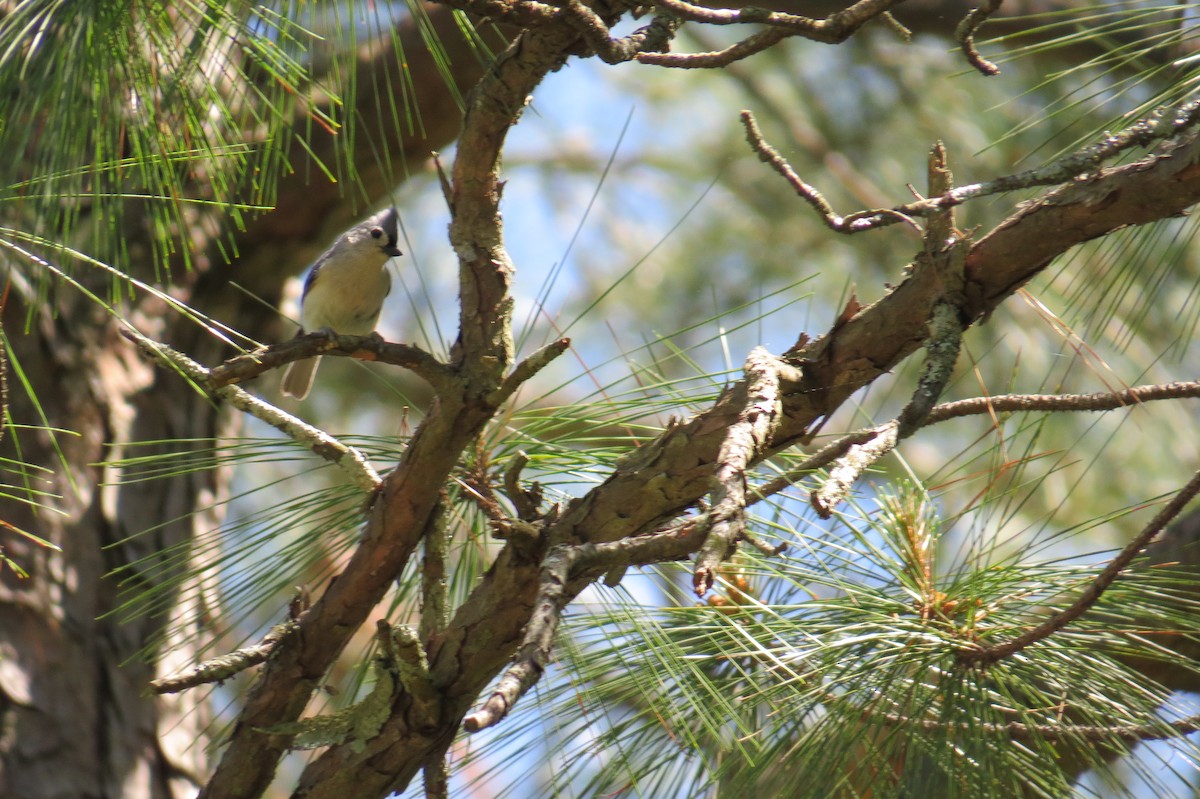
(344, 290)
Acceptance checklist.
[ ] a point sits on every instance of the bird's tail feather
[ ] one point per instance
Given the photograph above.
(298, 379)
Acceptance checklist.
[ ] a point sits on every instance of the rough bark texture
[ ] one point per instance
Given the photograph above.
(664, 477)
(74, 721)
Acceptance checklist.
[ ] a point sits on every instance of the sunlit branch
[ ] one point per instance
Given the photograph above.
(364, 348)
(993, 406)
(755, 43)
(810, 194)
(835, 28)
(984, 655)
(1161, 124)
(349, 459)
(225, 666)
(745, 440)
(528, 368)
(558, 584)
(945, 255)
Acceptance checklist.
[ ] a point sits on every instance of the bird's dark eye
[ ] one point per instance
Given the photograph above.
(376, 232)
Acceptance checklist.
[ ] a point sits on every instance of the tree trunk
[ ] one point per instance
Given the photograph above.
(75, 719)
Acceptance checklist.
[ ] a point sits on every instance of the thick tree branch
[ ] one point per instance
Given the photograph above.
(654, 483)
(481, 356)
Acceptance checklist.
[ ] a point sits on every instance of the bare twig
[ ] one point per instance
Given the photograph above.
(1161, 124)
(965, 34)
(762, 546)
(946, 255)
(222, 668)
(819, 459)
(755, 43)
(527, 369)
(985, 655)
(537, 643)
(897, 27)
(858, 458)
(364, 348)
(942, 350)
(745, 439)
(558, 584)
(769, 155)
(1002, 403)
(347, 458)
(1098, 401)
(834, 29)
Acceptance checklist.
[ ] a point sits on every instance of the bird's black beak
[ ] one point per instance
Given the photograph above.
(392, 250)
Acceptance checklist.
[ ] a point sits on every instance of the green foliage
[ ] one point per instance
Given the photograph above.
(154, 96)
(843, 651)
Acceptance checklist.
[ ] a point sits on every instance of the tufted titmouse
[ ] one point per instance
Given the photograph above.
(344, 290)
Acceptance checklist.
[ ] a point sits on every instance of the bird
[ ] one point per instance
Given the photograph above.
(344, 290)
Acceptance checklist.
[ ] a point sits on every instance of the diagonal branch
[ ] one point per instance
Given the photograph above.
(990, 654)
(966, 36)
(349, 459)
(410, 492)
(558, 583)
(945, 256)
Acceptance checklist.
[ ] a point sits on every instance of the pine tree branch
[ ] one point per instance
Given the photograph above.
(745, 441)
(1162, 124)
(663, 478)
(365, 348)
(481, 358)
(945, 257)
(986, 655)
(991, 406)
(349, 459)
(560, 580)
(223, 667)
